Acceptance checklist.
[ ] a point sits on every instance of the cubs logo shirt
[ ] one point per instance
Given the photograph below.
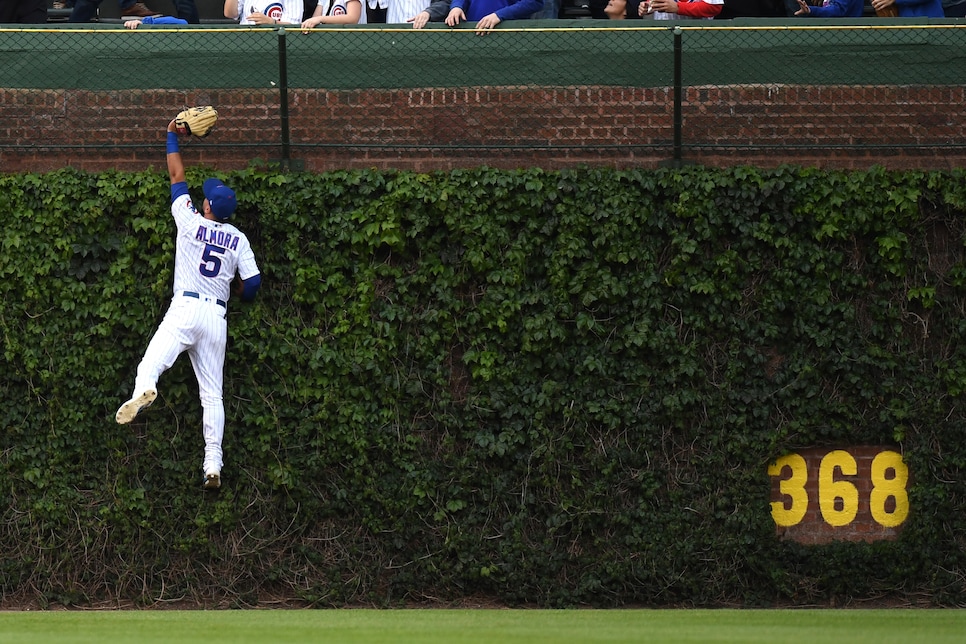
(284, 11)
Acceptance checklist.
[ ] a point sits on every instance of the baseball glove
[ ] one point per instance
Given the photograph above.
(198, 121)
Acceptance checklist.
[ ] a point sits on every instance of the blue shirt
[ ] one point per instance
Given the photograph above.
(838, 9)
(162, 20)
(920, 8)
(504, 9)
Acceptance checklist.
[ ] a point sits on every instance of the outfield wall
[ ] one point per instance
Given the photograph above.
(689, 387)
(551, 94)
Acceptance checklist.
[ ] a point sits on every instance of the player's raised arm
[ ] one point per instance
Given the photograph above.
(194, 121)
(175, 164)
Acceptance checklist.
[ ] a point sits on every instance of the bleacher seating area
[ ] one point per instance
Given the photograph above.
(212, 11)
(109, 11)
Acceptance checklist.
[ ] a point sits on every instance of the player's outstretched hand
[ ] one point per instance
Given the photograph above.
(197, 121)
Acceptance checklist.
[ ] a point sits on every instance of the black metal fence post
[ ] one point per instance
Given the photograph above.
(677, 95)
(283, 98)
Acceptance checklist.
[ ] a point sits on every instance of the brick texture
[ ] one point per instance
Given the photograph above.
(441, 129)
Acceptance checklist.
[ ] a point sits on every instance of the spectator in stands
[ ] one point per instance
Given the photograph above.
(954, 8)
(832, 9)
(150, 20)
(336, 12)
(489, 13)
(24, 12)
(913, 8)
(85, 10)
(377, 11)
(550, 11)
(622, 9)
(400, 12)
(393, 12)
(686, 9)
(596, 8)
(754, 9)
(265, 12)
(435, 12)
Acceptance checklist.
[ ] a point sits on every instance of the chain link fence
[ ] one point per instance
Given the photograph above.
(540, 92)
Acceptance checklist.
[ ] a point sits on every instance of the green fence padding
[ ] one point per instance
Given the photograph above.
(570, 53)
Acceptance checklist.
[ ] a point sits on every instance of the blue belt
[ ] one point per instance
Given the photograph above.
(199, 297)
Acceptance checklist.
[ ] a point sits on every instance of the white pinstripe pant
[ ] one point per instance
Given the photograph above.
(200, 328)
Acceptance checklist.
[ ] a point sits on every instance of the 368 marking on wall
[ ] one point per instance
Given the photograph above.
(850, 493)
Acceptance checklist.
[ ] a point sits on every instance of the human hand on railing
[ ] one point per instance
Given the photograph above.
(311, 23)
(804, 9)
(664, 6)
(487, 23)
(419, 20)
(455, 16)
(880, 5)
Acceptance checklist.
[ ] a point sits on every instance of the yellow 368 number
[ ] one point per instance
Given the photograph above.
(838, 497)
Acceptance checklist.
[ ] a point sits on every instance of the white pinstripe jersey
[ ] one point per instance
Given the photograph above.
(208, 253)
(285, 11)
(340, 8)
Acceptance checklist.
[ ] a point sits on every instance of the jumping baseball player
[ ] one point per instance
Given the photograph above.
(209, 252)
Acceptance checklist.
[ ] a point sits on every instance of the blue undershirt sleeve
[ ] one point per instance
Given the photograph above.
(178, 189)
(250, 287)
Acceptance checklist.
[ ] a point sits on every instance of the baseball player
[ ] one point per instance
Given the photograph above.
(209, 252)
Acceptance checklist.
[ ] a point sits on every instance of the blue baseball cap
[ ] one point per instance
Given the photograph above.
(220, 197)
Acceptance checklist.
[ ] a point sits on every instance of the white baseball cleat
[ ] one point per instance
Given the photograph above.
(212, 480)
(131, 408)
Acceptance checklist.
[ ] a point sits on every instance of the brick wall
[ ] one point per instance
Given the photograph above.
(428, 129)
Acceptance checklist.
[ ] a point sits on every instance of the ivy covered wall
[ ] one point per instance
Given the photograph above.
(541, 388)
